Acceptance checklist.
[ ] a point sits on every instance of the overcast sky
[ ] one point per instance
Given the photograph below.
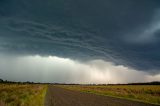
(82, 41)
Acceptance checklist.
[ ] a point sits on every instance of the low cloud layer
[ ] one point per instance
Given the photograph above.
(64, 70)
(112, 41)
(124, 32)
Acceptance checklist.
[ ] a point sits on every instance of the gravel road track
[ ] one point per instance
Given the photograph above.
(57, 96)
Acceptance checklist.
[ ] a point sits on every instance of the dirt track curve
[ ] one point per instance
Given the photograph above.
(57, 96)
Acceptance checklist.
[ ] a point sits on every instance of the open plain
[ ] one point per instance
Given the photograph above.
(58, 96)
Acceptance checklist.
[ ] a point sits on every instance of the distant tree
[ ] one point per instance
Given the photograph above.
(1, 80)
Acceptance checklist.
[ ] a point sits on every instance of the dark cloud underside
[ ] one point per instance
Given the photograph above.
(122, 31)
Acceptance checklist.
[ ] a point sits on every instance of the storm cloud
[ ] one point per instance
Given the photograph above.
(124, 33)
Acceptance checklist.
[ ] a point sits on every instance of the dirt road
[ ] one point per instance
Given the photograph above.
(57, 96)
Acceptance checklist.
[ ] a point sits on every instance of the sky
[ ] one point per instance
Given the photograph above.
(82, 41)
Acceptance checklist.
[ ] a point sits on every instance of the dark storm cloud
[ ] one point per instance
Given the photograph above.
(122, 31)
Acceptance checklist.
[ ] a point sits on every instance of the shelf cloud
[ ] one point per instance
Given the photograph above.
(119, 36)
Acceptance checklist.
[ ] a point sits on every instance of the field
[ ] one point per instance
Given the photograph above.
(22, 94)
(59, 96)
(144, 93)
(81, 95)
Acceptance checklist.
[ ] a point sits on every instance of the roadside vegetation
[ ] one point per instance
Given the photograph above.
(22, 94)
(144, 93)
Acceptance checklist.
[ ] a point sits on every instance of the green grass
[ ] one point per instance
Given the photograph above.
(144, 93)
(22, 94)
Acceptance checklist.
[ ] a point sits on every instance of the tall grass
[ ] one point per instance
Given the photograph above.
(22, 94)
(145, 93)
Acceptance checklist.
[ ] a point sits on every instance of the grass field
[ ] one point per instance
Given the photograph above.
(34, 94)
(145, 93)
(22, 94)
